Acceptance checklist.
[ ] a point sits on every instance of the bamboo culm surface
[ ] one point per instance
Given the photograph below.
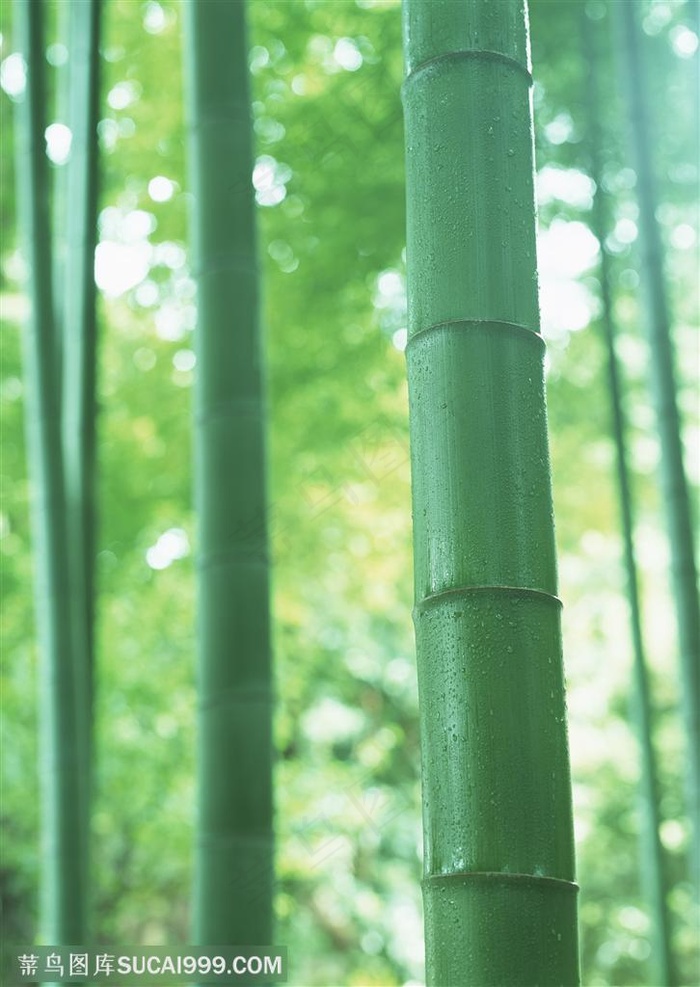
(499, 891)
(62, 698)
(234, 853)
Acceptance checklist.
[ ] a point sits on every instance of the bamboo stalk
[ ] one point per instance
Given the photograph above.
(651, 858)
(663, 388)
(63, 861)
(78, 337)
(79, 322)
(59, 205)
(234, 855)
(499, 891)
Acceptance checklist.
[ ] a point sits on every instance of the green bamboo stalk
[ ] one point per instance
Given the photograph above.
(59, 211)
(651, 858)
(663, 387)
(79, 323)
(63, 866)
(234, 854)
(499, 891)
(78, 338)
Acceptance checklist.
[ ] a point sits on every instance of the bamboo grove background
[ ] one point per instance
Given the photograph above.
(329, 181)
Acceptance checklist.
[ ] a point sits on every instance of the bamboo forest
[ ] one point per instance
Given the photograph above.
(349, 475)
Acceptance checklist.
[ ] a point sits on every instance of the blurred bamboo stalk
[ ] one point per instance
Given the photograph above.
(59, 204)
(79, 324)
(663, 388)
(234, 852)
(653, 874)
(63, 908)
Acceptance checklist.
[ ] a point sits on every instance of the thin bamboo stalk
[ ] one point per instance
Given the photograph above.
(651, 858)
(79, 322)
(78, 338)
(59, 206)
(499, 891)
(63, 863)
(234, 854)
(663, 388)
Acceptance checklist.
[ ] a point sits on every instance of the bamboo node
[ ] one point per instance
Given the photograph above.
(435, 599)
(480, 54)
(503, 877)
(500, 325)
